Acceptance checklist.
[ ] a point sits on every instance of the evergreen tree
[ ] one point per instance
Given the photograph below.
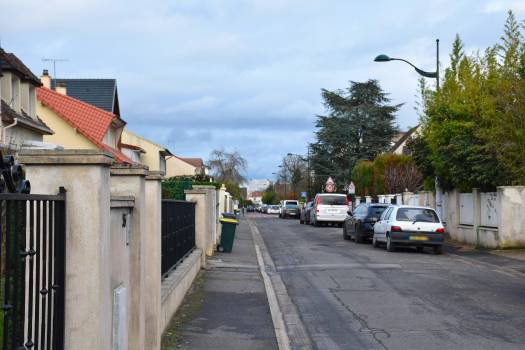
(360, 124)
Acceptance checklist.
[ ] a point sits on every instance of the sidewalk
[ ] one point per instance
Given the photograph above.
(227, 306)
(511, 260)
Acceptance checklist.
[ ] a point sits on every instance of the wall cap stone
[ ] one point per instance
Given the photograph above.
(129, 170)
(155, 175)
(122, 201)
(204, 187)
(65, 157)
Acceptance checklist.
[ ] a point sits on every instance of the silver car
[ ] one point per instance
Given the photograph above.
(329, 208)
(409, 226)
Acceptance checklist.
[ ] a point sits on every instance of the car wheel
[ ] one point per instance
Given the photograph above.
(345, 234)
(301, 221)
(438, 249)
(390, 245)
(419, 248)
(375, 243)
(358, 235)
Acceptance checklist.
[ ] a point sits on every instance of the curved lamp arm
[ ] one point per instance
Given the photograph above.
(422, 72)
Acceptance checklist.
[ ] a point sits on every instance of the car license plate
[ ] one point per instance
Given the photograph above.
(418, 238)
(333, 211)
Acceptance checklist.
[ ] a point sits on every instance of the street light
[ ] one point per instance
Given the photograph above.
(307, 169)
(385, 58)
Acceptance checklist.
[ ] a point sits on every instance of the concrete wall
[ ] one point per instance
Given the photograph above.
(205, 198)
(131, 181)
(113, 242)
(511, 203)
(85, 175)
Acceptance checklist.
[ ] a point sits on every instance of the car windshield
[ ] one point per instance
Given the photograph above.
(292, 203)
(376, 211)
(332, 200)
(417, 214)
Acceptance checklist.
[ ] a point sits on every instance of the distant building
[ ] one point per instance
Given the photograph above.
(400, 140)
(255, 197)
(258, 185)
(144, 151)
(181, 166)
(20, 123)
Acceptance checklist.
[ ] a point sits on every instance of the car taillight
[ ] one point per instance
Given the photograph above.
(440, 230)
(346, 200)
(395, 229)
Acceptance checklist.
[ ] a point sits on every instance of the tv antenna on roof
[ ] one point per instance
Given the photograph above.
(54, 60)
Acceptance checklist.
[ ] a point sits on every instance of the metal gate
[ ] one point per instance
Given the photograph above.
(178, 232)
(32, 266)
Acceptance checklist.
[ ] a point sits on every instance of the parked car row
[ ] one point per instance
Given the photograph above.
(395, 226)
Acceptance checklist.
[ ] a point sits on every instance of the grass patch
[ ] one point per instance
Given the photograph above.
(190, 305)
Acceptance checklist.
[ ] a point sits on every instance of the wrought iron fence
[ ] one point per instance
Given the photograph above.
(32, 267)
(178, 232)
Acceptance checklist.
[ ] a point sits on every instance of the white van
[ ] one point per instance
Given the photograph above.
(329, 208)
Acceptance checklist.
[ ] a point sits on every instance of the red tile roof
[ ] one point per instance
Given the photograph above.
(90, 121)
(196, 162)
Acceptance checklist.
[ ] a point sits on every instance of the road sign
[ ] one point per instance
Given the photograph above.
(303, 194)
(329, 185)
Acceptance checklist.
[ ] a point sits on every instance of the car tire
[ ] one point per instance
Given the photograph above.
(390, 245)
(438, 249)
(345, 234)
(358, 235)
(301, 221)
(375, 243)
(419, 249)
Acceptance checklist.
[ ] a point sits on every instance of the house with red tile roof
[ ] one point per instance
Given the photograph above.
(183, 166)
(79, 125)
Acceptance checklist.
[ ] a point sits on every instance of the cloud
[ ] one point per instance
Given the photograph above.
(200, 74)
(503, 6)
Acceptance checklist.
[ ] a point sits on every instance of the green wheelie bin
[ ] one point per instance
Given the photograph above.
(227, 234)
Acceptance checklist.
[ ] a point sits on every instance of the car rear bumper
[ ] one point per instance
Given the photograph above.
(330, 217)
(417, 239)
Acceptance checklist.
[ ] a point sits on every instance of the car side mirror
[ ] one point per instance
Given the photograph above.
(350, 213)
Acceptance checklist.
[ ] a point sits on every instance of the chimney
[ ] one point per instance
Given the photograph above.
(45, 79)
(61, 88)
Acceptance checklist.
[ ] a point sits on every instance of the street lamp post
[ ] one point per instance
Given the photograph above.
(307, 169)
(385, 58)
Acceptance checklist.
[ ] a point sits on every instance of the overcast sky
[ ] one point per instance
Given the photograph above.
(243, 74)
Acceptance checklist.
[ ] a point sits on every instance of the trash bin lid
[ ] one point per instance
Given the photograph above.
(231, 221)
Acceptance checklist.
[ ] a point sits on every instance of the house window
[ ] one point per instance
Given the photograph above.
(32, 101)
(109, 138)
(15, 91)
(162, 163)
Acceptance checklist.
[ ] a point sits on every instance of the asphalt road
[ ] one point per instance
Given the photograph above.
(352, 296)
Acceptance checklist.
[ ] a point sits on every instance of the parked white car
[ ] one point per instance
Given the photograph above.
(405, 225)
(329, 208)
(274, 209)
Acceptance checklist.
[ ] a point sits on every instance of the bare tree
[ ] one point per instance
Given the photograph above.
(402, 177)
(227, 166)
(293, 169)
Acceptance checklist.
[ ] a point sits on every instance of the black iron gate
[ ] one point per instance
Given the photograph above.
(32, 266)
(178, 232)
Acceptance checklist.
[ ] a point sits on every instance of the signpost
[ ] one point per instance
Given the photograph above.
(303, 194)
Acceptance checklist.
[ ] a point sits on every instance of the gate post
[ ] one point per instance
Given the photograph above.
(152, 258)
(85, 175)
(129, 180)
